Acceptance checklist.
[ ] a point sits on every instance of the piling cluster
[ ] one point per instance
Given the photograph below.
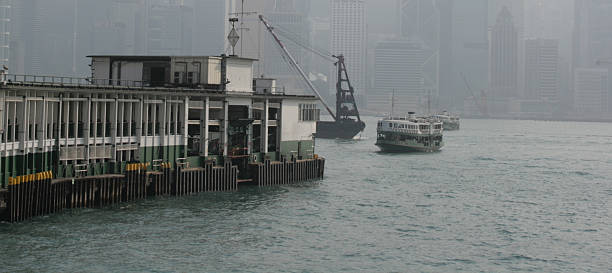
(287, 172)
(30, 195)
(39, 194)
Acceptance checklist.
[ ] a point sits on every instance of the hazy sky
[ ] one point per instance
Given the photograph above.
(42, 38)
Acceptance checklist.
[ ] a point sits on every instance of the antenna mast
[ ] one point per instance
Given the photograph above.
(428, 101)
(393, 103)
(233, 36)
(242, 28)
(74, 36)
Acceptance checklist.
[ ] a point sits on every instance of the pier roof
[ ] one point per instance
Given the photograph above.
(164, 57)
(170, 91)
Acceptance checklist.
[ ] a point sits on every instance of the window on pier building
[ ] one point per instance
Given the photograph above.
(152, 116)
(309, 112)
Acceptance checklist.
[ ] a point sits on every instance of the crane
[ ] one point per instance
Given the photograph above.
(294, 64)
(346, 106)
(482, 106)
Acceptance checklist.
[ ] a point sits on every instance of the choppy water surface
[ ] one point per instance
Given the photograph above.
(502, 196)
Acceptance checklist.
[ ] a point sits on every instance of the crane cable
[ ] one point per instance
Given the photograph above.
(295, 65)
(304, 44)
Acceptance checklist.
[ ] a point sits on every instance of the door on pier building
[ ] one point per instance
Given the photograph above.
(238, 134)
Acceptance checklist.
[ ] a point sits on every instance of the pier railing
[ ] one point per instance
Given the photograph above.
(80, 82)
(70, 81)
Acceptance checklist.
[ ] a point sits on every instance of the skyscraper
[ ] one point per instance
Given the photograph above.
(592, 32)
(348, 37)
(592, 41)
(285, 15)
(591, 87)
(554, 19)
(517, 9)
(542, 69)
(211, 29)
(289, 17)
(504, 57)
(464, 51)
(420, 22)
(398, 73)
(169, 28)
(117, 26)
(5, 31)
(26, 46)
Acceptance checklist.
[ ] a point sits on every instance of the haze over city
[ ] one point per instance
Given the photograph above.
(540, 59)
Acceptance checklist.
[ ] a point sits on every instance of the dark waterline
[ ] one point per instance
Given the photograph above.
(501, 196)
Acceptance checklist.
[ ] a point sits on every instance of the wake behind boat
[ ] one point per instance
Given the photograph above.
(409, 134)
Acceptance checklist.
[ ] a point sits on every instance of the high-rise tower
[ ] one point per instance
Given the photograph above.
(420, 23)
(26, 51)
(542, 69)
(348, 37)
(211, 29)
(398, 75)
(504, 57)
(464, 51)
(5, 32)
(593, 44)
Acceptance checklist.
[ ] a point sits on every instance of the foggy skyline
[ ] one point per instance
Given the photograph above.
(470, 62)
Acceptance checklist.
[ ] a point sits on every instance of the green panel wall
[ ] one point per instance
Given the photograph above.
(304, 147)
(33, 163)
(13, 166)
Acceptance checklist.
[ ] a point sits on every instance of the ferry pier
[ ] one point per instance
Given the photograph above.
(145, 126)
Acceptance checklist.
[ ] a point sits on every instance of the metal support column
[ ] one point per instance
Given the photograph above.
(264, 127)
(163, 130)
(225, 126)
(86, 128)
(184, 130)
(204, 119)
(138, 125)
(250, 130)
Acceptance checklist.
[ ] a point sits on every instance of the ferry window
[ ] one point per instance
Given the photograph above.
(190, 77)
(391, 125)
(177, 77)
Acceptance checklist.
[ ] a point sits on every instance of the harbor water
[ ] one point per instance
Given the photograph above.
(501, 196)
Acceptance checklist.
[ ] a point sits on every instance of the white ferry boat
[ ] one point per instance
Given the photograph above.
(449, 122)
(409, 134)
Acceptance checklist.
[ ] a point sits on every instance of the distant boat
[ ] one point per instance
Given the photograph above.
(409, 134)
(449, 122)
(383, 115)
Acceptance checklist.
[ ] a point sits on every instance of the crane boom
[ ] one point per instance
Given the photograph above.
(480, 107)
(295, 65)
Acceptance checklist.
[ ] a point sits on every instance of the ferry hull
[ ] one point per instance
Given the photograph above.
(342, 129)
(397, 148)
